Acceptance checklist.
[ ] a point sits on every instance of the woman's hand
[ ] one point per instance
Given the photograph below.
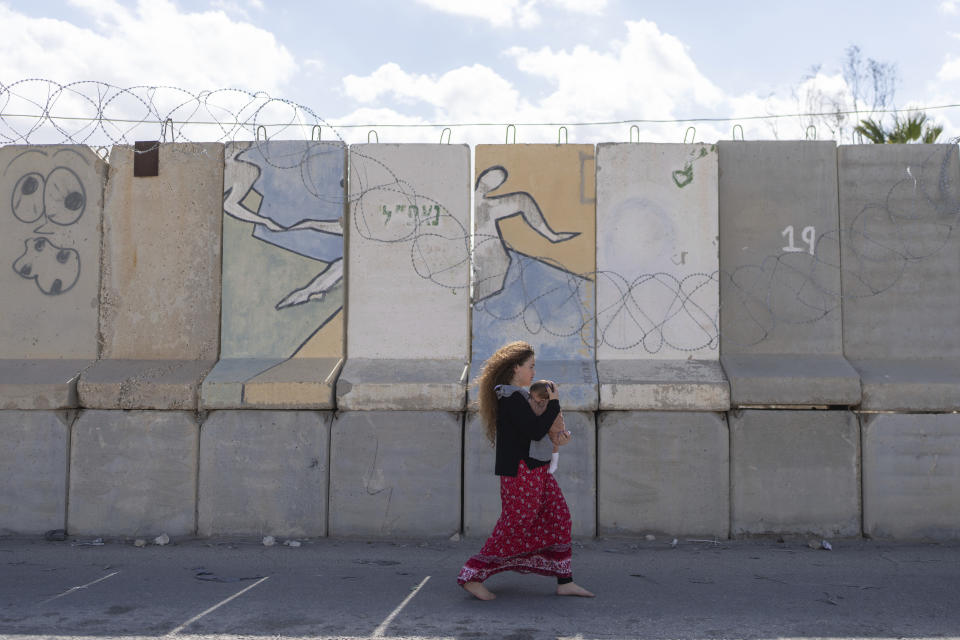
(552, 391)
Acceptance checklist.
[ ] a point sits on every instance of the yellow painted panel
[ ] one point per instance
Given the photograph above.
(325, 343)
(562, 181)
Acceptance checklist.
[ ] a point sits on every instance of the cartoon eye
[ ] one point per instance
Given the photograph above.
(64, 196)
(39, 244)
(27, 198)
(62, 256)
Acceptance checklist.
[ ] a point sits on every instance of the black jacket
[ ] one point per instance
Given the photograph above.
(517, 425)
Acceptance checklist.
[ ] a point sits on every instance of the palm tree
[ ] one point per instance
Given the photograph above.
(913, 128)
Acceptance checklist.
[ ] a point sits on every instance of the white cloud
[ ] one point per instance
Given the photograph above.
(153, 43)
(950, 7)
(950, 70)
(510, 13)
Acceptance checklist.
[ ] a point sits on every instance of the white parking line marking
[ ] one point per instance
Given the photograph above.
(379, 631)
(215, 607)
(83, 586)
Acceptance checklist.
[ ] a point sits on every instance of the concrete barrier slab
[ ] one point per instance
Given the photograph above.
(658, 277)
(382, 384)
(142, 384)
(663, 472)
(911, 476)
(791, 379)
(780, 267)
(663, 385)
(51, 201)
(794, 472)
(535, 261)
(409, 274)
(33, 470)
(576, 475)
(282, 303)
(395, 473)
(133, 473)
(284, 493)
(40, 384)
(160, 288)
(909, 385)
(901, 256)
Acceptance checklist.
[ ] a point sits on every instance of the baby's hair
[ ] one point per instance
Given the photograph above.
(540, 387)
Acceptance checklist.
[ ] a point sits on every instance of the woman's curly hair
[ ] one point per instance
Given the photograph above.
(498, 369)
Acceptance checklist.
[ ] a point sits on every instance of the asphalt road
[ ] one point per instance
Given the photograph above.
(407, 589)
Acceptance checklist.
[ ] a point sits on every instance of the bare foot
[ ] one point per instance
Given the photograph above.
(573, 589)
(478, 590)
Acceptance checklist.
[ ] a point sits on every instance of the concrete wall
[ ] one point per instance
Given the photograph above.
(658, 303)
(535, 261)
(160, 286)
(901, 254)
(408, 277)
(123, 451)
(282, 303)
(780, 283)
(51, 206)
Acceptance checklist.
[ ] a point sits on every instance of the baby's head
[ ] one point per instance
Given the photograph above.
(540, 390)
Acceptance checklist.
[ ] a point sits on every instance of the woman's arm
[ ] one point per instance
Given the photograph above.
(517, 412)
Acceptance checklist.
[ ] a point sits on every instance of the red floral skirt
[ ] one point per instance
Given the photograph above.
(533, 532)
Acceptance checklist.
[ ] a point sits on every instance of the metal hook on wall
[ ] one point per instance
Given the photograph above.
(692, 137)
(375, 135)
(264, 133)
(163, 131)
(735, 127)
(565, 136)
(316, 129)
(809, 129)
(449, 132)
(632, 127)
(507, 140)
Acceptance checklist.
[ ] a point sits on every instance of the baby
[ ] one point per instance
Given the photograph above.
(539, 396)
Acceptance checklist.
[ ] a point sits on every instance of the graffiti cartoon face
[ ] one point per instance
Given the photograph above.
(46, 191)
(54, 268)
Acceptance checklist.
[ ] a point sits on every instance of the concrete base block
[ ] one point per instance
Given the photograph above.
(40, 384)
(368, 384)
(911, 476)
(33, 470)
(663, 472)
(264, 472)
(909, 385)
(576, 380)
(143, 384)
(794, 472)
(262, 383)
(133, 473)
(663, 385)
(395, 473)
(791, 379)
(576, 475)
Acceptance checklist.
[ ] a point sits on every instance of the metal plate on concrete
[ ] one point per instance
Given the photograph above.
(264, 473)
(663, 472)
(133, 473)
(794, 472)
(395, 473)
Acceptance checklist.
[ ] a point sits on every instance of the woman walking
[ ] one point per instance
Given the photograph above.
(533, 532)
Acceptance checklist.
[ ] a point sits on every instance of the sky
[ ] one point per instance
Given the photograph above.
(358, 65)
